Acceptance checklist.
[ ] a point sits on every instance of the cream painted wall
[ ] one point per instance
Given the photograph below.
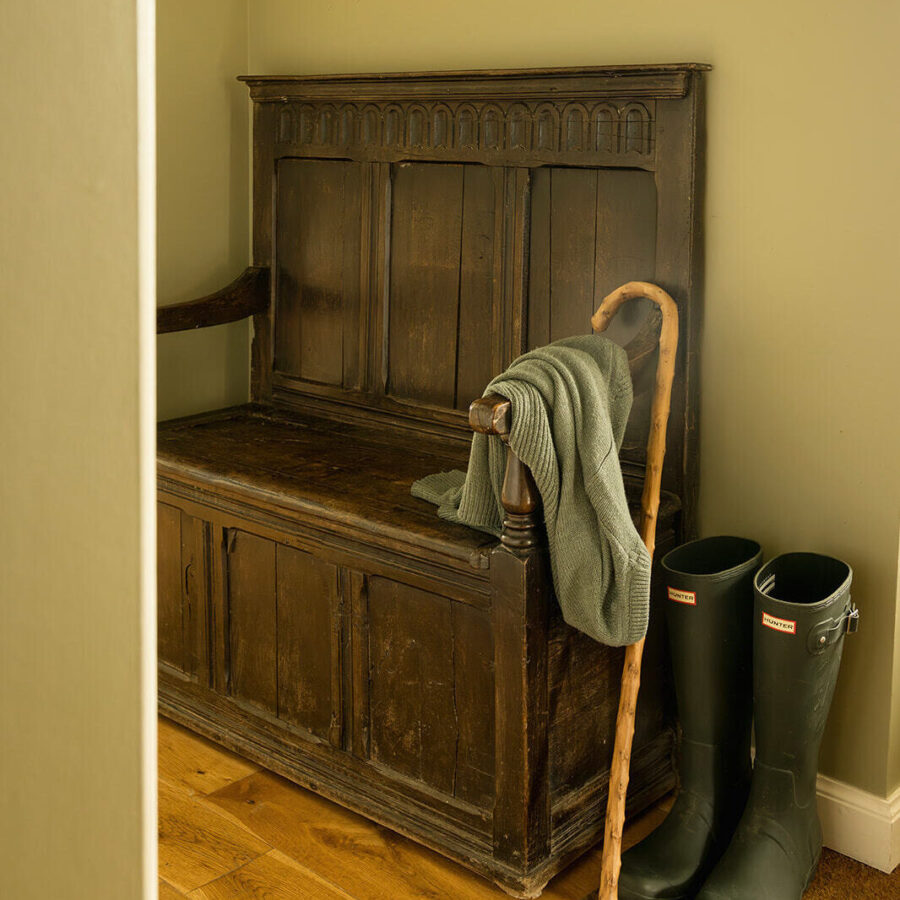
(77, 569)
(800, 431)
(203, 190)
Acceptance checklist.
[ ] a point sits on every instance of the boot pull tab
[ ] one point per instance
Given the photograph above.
(824, 634)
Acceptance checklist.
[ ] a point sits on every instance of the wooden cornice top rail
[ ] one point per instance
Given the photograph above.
(246, 296)
(662, 81)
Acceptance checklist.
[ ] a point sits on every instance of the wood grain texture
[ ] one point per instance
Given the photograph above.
(167, 892)
(323, 837)
(478, 283)
(318, 844)
(188, 763)
(414, 719)
(247, 295)
(317, 281)
(196, 844)
(252, 631)
(273, 876)
(426, 228)
(307, 602)
(631, 674)
(170, 631)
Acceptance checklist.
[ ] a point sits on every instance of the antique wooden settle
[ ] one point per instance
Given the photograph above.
(412, 234)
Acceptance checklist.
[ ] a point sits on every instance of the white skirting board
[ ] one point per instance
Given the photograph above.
(859, 824)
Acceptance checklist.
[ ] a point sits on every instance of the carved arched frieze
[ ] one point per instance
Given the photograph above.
(575, 127)
(518, 127)
(307, 118)
(325, 125)
(492, 128)
(555, 126)
(287, 124)
(635, 129)
(546, 127)
(417, 127)
(371, 125)
(441, 127)
(393, 133)
(348, 124)
(466, 127)
(604, 129)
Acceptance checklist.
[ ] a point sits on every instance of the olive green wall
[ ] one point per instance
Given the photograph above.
(77, 528)
(800, 432)
(203, 190)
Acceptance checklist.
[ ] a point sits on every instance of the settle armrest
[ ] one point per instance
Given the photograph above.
(491, 415)
(246, 296)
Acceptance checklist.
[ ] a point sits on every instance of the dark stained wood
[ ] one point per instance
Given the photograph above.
(246, 296)
(473, 671)
(196, 597)
(170, 631)
(252, 619)
(491, 415)
(424, 230)
(573, 222)
(307, 600)
(539, 263)
(681, 179)
(413, 706)
(479, 284)
(318, 289)
(521, 820)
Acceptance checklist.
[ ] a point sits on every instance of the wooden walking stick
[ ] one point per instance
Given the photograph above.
(631, 673)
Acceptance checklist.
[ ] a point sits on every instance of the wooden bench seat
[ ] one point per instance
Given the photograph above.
(412, 235)
(345, 478)
(342, 477)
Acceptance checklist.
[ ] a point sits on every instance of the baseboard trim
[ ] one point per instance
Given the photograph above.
(859, 824)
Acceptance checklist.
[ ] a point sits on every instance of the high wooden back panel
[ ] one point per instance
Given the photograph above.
(425, 229)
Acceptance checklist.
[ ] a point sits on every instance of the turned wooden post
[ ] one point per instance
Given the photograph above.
(520, 579)
(521, 588)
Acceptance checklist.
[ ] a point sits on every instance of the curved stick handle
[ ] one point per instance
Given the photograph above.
(631, 674)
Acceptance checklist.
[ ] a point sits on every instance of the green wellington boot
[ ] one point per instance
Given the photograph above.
(803, 610)
(709, 613)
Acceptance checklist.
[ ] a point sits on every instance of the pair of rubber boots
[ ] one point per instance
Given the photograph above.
(748, 644)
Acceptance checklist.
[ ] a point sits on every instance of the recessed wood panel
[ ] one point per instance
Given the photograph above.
(318, 290)
(308, 642)
(591, 230)
(252, 645)
(169, 629)
(431, 689)
(424, 282)
(182, 591)
(478, 283)
(443, 282)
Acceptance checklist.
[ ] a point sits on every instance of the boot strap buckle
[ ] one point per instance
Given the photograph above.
(826, 633)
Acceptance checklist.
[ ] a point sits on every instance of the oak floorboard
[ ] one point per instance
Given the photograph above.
(366, 860)
(196, 844)
(191, 763)
(270, 877)
(167, 892)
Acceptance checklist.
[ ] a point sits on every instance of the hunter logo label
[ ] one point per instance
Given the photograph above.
(785, 626)
(689, 597)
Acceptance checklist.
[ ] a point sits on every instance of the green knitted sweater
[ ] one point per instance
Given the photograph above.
(570, 404)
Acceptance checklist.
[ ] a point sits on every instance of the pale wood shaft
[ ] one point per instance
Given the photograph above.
(631, 674)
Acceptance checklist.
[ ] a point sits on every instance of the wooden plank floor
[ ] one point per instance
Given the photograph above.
(231, 831)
